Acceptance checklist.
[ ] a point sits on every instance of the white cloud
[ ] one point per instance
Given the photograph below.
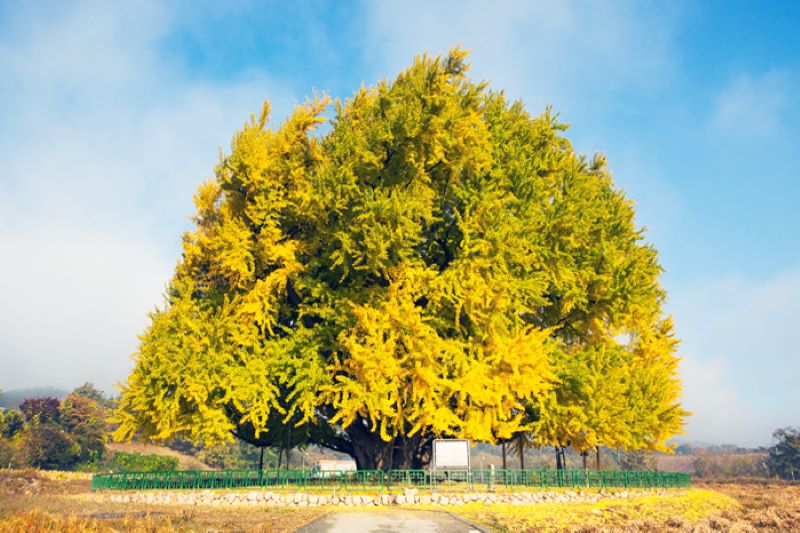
(719, 414)
(75, 299)
(752, 106)
(104, 143)
(741, 361)
(574, 55)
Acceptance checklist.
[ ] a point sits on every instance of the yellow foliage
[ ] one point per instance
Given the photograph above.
(438, 263)
(652, 513)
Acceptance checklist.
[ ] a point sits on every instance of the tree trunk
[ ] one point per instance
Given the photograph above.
(503, 447)
(585, 457)
(597, 457)
(288, 446)
(405, 452)
(522, 457)
(280, 456)
(559, 464)
(370, 452)
(261, 460)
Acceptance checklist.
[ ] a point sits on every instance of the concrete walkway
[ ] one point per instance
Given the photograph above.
(389, 521)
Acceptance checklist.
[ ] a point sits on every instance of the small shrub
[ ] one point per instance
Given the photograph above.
(137, 462)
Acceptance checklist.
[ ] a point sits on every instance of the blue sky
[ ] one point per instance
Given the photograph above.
(112, 113)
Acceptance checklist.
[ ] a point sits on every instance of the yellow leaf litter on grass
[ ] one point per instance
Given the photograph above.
(687, 506)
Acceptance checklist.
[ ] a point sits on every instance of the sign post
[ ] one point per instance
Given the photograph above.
(451, 454)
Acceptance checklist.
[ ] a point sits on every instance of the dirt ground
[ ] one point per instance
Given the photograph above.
(41, 501)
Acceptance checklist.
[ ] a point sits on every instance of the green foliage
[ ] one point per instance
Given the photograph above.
(227, 455)
(12, 423)
(90, 392)
(236, 455)
(50, 435)
(440, 263)
(83, 419)
(138, 462)
(7, 454)
(784, 455)
(46, 445)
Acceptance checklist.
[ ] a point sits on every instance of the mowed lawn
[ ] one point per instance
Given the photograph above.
(38, 501)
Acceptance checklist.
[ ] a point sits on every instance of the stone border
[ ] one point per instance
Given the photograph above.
(408, 497)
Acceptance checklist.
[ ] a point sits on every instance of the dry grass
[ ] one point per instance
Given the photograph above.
(674, 510)
(157, 521)
(741, 506)
(37, 501)
(766, 505)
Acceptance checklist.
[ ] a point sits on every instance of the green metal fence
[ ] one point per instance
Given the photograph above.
(379, 480)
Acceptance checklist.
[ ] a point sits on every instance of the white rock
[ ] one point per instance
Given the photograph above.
(400, 499)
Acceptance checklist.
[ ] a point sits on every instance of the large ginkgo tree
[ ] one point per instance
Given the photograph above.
(436, 263)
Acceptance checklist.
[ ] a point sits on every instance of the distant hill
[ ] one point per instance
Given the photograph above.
(12, 398)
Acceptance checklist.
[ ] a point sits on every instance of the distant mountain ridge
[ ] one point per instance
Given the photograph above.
(12, 398)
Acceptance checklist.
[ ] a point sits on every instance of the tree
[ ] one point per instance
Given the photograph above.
(13, 422)
(84, 421)
(419, 271)
(784, 455)
(40, 409)
(637, 460)
(10, 423)
(588, 408)
(520, 443)
(89, 391)
(46, 445)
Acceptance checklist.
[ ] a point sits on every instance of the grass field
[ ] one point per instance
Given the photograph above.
(39, 501)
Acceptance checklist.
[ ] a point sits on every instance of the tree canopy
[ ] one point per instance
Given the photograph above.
(784, 455)
(46, 433)
(437, 262)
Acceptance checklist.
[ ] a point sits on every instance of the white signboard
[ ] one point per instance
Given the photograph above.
(451, 453)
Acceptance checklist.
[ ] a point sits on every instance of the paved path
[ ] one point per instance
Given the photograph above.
(389, 521)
